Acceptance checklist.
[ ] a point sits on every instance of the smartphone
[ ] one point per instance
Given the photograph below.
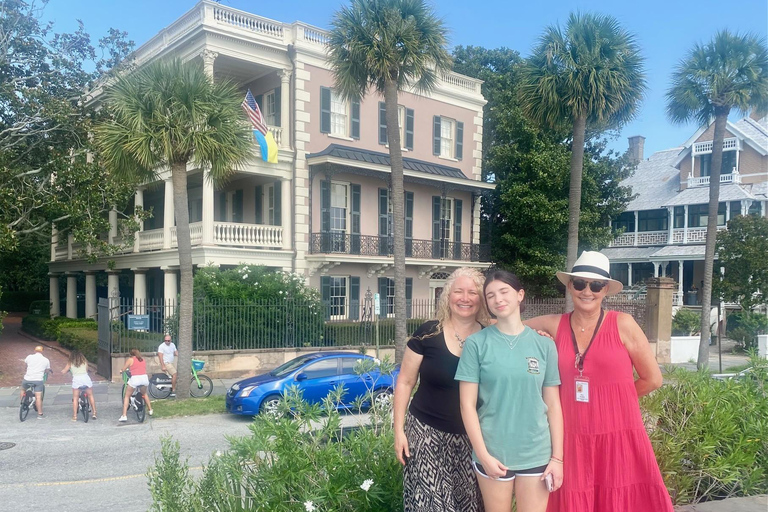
(550, 481)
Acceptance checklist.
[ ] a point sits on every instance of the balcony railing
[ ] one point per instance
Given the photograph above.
(366, 245)
(649, 238)
(703, 181)
(251, 235)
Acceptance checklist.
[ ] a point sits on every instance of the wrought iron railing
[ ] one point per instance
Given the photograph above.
(366, 245)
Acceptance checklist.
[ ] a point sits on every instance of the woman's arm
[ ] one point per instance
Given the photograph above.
(544, 324)
(551, 396)
(406, 380)
(66, 368)
(128, 363)
(641, 354)
(468, 400)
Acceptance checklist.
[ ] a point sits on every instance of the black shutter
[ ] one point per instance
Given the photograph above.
(436, 136)
(223, 207)
(260, 101)
(383, 282)
(278, 203)
(237, 206)
(325, 291)
(325, 110)
(459, 140)
(258, 204)
(457, 208)
(277, 107)
(409, 128)
(354, 214)
(409, 223)
(382, 123)
(355, 127)
(383, 222)
(436, 225)
(408, 297)
(325, 215)
(354, 298)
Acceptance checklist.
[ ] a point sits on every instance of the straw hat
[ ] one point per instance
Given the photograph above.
(594, 266)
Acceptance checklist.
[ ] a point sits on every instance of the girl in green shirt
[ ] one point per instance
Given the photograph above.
(510, 404)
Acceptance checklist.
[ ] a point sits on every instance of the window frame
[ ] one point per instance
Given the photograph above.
(451, 141)
(343, 312)
(270, 108)
(336, 99)
(659, 218)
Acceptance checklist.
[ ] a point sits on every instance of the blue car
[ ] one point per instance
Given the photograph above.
(315, 374)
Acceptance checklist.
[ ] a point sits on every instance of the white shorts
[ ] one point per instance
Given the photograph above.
(138, 380)
(79, 381)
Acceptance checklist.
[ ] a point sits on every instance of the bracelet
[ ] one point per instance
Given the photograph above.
(555, 459)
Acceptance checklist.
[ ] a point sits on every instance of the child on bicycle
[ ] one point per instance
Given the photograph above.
(139, 379)
(78, 367)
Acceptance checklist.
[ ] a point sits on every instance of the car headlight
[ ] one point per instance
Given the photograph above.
(235, 387)
(246, 391)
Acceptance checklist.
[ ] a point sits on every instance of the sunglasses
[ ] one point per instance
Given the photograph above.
(595, 286)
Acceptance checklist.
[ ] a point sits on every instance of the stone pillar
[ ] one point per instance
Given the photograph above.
(637, 223)
(664, 268)
(112, 225)
(656, 265)
(71, 295)
(208, 210)
(209, 57)
(168, 216)
(629, 274)
(685, 223)
(53, 280)
(285, 109)
(170, 285)
(113, 293)
(90, 294)
(671, 226)
(54, 241)
(658, 316)
(138, 201)
(680, 280)
(286, 215)
(139, 290)
(70, 243)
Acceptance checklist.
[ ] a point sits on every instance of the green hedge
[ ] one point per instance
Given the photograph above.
(35, 325)
(47, 328)
(20, 301)
(84, 339)
(40, 307)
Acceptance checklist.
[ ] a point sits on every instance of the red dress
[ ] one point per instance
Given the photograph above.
(609, 460)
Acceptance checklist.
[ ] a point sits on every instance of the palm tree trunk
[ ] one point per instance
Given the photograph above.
(181, 210)
(398, 214)
(574, 197)
(721, 118)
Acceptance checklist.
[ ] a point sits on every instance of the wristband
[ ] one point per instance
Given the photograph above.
(555, 459)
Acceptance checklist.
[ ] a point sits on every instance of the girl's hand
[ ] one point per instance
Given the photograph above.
(402, 450)
(556, 470)
(492, 467)
(545, 334)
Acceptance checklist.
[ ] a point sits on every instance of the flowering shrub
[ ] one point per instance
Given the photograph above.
(301, 460)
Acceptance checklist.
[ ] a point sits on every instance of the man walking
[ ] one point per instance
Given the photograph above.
(167, 353)
(37, 365)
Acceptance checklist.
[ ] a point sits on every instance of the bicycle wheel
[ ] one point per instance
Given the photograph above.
(24, 409)
(159, 393)
(204, 389)
(85, 408)
(141, 412)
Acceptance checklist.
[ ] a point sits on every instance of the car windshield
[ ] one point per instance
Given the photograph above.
(286, 368)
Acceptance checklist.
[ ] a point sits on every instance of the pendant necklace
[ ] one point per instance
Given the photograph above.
(459, 339)
(512, 339)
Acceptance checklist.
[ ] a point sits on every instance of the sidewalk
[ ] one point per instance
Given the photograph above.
(751, 504)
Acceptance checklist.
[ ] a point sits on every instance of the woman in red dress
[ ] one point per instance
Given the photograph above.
(609, 464)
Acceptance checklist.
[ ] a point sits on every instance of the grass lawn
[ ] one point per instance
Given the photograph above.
(170, 408)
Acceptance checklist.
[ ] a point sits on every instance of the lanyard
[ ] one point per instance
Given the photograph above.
(579, 364)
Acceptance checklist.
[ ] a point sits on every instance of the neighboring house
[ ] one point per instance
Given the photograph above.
(324, 211)
(664, 227)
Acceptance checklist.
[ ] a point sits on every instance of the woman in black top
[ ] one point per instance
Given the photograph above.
(431, 442)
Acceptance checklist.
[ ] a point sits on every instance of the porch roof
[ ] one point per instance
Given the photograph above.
(700, 195)
(641, 254)
(628, 254)
(680, 252)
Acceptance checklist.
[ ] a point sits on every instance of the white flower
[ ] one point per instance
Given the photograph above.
(245, 276)
(366, 485)
(377, 362)
(309, 506)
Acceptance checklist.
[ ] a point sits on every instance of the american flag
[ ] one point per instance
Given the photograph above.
(254, 113)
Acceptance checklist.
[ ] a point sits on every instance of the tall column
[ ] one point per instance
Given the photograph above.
(286, 216)
(285, 109)
(658, 316)
(664, 268)
(113, 293)
(207, 210)
(636, 226)
(54, 241)
(71, 295)
(685, 224)
(671, 227)
(112, 225)
(209, 57)
(680, 279)
(629, 274)
(655, 268)
(168, 217)
(90, 294)
(138, 202)
(139, 290)
(53, 280)
(170, 285)
(745, 204)
(70, 243)
(728, 212)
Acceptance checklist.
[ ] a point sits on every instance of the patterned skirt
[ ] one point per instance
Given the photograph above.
(439, 476)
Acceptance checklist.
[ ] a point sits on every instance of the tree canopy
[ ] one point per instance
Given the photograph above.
(742, 250)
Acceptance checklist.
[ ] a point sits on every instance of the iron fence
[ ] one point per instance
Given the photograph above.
(243, 325)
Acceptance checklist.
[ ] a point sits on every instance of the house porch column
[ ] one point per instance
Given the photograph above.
(139, 290)
(138, 202)
(71, 295)
(285, 109)
(90, 294)
(53, 294)
(286, 215)
(207, 210)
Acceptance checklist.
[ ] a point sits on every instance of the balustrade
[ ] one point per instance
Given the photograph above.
(151, 240)
(247, 21)
(366, 245)
(250, 235)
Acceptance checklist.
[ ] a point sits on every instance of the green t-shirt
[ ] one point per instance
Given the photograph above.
(511, 372)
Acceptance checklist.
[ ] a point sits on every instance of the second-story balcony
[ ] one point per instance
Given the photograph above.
(366, 245)
(650, 238)
(703, 181)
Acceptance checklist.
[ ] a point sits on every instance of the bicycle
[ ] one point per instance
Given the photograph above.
(201, 385)
(83, 404)
(29, 399)
(136, 400)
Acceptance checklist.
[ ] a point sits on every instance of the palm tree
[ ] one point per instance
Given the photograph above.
(590, 75)
(389, 46)
(170, 114)
(731, 71)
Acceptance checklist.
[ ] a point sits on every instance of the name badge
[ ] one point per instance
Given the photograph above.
(582, 389)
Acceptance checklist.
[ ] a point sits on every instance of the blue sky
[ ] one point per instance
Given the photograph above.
(665, 31)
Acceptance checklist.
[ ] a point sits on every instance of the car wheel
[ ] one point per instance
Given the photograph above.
(382, 398)
(270, 406)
